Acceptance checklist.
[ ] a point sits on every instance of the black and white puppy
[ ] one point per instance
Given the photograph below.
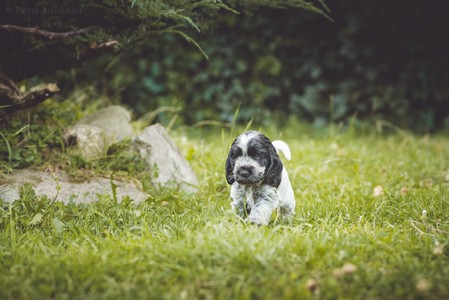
(258, 179)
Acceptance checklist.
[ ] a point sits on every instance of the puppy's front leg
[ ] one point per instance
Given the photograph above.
(238, 195)
(266, 202)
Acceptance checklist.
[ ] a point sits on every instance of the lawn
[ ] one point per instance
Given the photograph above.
(372, 222)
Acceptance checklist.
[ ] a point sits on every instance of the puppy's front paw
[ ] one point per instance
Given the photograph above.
(257, 221)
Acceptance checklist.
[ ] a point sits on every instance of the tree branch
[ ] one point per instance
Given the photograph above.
(6, 83)
(43, 33)
(15, 102)
(37, 97)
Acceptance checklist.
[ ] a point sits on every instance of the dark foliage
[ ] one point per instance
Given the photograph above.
(384, 61)
(373, 61)
(39, 37)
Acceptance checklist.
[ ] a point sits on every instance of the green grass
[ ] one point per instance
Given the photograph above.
(343, 243)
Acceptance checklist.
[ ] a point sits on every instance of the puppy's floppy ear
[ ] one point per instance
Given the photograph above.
(273, 175)
(230, 167)
(230, 170)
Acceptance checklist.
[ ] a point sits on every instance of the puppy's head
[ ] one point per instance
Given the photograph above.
(253, 160)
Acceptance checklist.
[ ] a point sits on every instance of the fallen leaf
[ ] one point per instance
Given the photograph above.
(438, 250)
(348, 268)
(422, 285)
(378, 190)
(311, 285)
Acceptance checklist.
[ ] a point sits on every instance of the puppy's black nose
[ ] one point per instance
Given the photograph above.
(244, 172)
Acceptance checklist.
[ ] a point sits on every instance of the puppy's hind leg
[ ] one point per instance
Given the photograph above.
(286, 213)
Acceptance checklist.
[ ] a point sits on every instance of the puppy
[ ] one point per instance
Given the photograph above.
(258, 179)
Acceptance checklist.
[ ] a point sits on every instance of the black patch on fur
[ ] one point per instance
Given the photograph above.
(230, 162)
(247, 210)
(273, 171)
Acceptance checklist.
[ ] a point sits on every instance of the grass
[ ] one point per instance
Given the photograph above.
(344, 242)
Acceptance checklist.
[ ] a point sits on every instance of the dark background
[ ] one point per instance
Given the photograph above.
(376, 60)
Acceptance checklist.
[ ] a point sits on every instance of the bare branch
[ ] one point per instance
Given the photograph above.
(5, 82)
(28, 100)
(43, 33)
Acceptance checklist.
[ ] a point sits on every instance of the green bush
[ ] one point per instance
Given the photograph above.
(370, 62)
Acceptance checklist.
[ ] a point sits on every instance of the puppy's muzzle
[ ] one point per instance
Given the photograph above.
(246, 175)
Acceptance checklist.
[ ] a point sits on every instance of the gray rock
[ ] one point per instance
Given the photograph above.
(94, 133)
(45, 184)
(159, 151)
(154, 145)
(91, 141)
(114, 120)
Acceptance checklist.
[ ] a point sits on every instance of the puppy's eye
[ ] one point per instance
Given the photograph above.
(253, 153)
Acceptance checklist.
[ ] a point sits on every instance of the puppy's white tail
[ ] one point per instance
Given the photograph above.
(283, 147)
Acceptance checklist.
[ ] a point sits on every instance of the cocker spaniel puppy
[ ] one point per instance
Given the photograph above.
(258, 179)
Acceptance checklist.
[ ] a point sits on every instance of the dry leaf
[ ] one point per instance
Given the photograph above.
(378, 190)
(348, 268)
(311, 285)
(422, 285)
(438, 250)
